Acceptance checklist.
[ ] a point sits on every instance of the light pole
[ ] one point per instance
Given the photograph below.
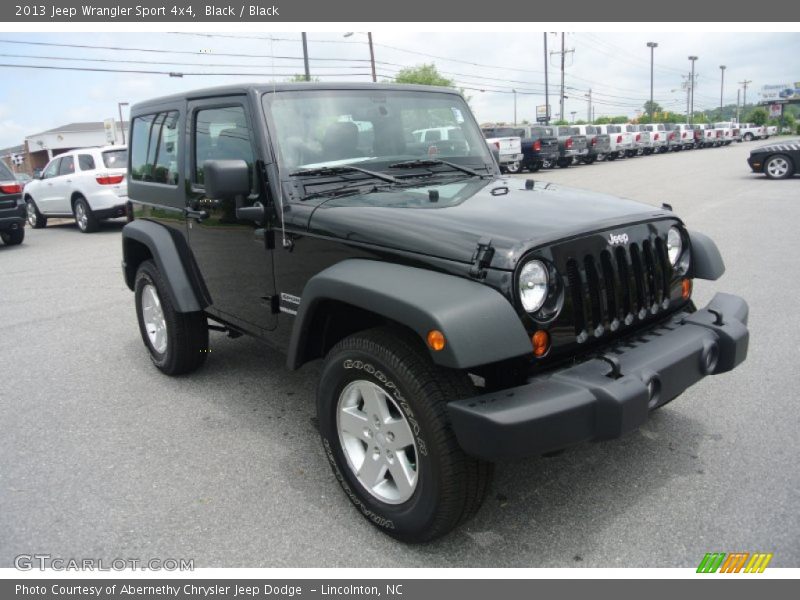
(546, 90)
(305, 57)
(515, 106)
(721, 88)
(652, 46)
(691, 84)
(121, 122)
(371, 54)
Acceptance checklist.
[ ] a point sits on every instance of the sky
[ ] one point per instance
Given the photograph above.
(616, 66)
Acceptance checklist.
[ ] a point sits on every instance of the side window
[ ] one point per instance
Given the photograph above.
(86, 162)
(222, 133)
(67, 166)
(154, 148)
(52, 169)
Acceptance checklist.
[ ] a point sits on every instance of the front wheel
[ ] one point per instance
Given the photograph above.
(778, 167)
(177, 342)
(13, 237)
(382, 410)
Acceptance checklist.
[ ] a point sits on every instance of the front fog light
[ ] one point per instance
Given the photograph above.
(533, 285)
(674, 245)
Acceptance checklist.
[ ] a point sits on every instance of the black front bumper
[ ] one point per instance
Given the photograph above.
(12, 218)
(607, 396)
(756, 162)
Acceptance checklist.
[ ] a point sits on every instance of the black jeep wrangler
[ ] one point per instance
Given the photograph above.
(463, 318)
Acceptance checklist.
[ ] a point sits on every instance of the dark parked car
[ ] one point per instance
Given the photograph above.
(571, 145)
(776, 161)
(460, 320)
(12, 208)
(539, 147)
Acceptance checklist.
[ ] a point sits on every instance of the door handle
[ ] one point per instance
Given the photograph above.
(197, 215)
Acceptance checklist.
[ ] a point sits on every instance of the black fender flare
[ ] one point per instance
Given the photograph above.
(171, 257)
(706, 259)
(479, 324)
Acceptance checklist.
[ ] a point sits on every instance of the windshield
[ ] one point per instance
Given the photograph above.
(321, 128)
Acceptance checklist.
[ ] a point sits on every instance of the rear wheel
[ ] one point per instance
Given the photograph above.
(35, 219)
(177, 342)
(382, 410)
(514, 167)
(13, 237)
(84, 217)
(779, 166)
(589, 160)
(748, 136)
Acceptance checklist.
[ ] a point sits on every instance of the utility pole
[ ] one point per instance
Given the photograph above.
(738, 97)
(563, 54)
(652, 46)
(121, 122)
(745, 83)
(515, 106)
(691, 83)
(372, 57)
(546, 90)
(305, 57)
(589, 109)
(721, 88)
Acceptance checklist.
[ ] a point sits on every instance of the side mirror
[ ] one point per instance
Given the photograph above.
(226, 179)
(230, 179)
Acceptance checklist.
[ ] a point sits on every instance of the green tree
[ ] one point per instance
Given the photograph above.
(300, 77)
(560, 122)
(423, 75)
(651, 108)
(759, 116)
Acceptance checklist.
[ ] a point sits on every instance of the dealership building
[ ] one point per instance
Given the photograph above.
(39, 148)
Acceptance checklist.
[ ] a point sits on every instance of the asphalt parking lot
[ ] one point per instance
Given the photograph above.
(103, 456)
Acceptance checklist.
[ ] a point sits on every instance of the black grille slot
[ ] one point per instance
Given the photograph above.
(625, 281)
(653, 283)
(593, 281)
(574, 282)
(612, 291)
(666, 268)
(638, 277)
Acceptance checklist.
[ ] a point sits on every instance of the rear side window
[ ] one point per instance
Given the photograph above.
(223, 134)
(115, 159)
(67, 166)
(154, 148)
(5, 172)
(86, 162)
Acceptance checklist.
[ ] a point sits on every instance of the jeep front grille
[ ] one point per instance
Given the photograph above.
(618, 287)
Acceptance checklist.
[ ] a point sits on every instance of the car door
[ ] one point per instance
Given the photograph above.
(233, 254)
(43, 190)
(63, 185)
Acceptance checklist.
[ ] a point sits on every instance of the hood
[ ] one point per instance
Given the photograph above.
(450, 226)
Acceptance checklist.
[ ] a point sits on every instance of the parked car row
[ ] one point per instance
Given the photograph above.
(545, 146)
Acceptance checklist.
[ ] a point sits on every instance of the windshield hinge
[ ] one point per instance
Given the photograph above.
(481, 258)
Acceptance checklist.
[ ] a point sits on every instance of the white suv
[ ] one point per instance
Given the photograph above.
(88, 184)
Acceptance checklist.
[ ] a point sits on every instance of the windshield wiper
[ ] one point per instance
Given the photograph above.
(429, 162)
(344, 169)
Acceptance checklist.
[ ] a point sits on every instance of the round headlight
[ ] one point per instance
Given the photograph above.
(533, 285)
(674, 245)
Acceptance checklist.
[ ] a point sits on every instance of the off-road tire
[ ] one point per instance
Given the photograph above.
(13, 237)
(187, 333)
(450, 484)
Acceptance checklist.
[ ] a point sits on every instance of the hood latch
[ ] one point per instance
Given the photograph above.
(482, 258)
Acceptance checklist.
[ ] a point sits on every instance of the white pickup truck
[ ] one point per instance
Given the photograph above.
(658, 136)
(507, 145)
(620, 141)
(728, 132)
(751, 131)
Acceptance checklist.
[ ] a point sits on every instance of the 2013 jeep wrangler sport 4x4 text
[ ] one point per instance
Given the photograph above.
(462, 318)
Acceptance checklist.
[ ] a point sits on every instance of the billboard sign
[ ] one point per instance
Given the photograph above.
(111, 130)
(782, 92)
(775, 111)
(542, 114)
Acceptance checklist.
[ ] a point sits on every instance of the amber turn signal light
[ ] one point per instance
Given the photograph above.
(541, 343)
(436, 340)
(686, 288)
